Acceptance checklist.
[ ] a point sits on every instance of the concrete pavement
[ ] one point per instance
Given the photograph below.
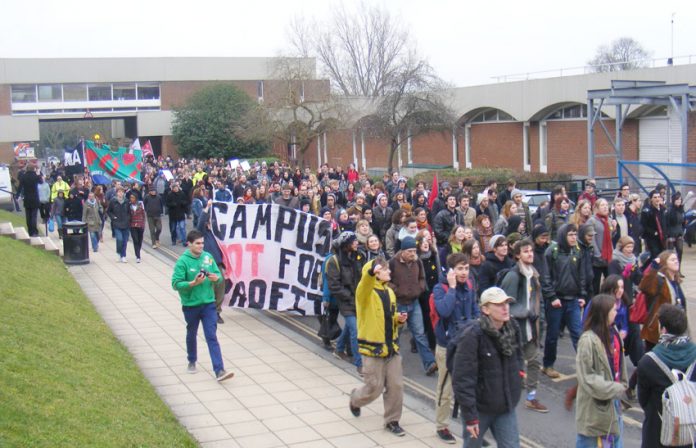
(283, 394)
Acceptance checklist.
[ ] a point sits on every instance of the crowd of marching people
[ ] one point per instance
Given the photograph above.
(485, 287)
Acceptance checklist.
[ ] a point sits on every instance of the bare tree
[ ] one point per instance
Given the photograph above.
(370, 54)
(295, 118)
(623, 54)
(414, 105)
(361, 53)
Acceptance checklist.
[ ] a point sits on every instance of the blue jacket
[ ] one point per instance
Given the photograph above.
(455, 307)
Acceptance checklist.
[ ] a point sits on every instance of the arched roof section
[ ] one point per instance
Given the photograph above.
(485, 113)
(550, 109)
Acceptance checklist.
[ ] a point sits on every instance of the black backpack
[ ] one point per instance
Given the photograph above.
(462, 333)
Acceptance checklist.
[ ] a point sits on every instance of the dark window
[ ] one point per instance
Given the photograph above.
(124, 92)
(148, 91)
(24, 94)
(99, 92)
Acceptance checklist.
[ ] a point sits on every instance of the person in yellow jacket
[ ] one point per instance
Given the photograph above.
(59, 185)
(198, 175)
(378, 330)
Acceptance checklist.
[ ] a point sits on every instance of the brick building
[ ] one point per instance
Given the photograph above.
(534, 125)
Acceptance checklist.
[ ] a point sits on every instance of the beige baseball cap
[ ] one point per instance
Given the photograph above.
(495, 295)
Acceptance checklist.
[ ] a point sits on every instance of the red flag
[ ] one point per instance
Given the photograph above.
(147, 149)
(434, 192)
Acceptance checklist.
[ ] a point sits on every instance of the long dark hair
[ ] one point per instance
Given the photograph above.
(597, 319)
(611, 284)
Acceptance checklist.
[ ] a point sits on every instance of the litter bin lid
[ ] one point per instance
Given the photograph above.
(74, 224)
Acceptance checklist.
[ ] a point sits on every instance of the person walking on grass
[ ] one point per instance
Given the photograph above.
(378, 330)
(194, 277)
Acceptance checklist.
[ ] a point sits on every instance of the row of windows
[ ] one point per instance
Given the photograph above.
(37, 93)
(83, 111)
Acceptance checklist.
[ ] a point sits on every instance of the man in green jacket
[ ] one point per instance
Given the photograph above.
(195, 273)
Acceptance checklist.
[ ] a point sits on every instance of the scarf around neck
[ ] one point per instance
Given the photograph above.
(607, 246)
(673, 339)
(504, 339)
(623, 259)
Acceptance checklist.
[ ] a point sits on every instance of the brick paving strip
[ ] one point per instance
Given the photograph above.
(282, 394)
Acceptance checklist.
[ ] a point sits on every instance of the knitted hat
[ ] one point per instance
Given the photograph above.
(346, 238)
(514, 193)
(408, 243)
(495, 240)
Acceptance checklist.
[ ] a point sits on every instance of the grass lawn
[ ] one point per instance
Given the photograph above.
(65, 380)
(17, 219)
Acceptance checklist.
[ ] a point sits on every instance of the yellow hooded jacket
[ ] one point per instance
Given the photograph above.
(371, 318)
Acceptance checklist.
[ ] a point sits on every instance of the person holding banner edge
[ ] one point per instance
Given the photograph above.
(194, 277)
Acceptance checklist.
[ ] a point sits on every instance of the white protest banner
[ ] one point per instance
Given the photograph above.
(168, 175)
(234, 163)
(245, 165)
(273, 256)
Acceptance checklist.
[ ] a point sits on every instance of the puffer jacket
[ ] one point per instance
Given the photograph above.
(565, 275)
(455, 307)
(378, 325)
(595, 414)
(484, 380)
(443, 224)
(342, 280)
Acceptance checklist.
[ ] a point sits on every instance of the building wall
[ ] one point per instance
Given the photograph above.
(5, 99)
(496, 145)
(432, 148)
(691, 142)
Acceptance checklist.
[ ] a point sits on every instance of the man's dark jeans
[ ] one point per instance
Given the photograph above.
(569, 313)
(208, 315)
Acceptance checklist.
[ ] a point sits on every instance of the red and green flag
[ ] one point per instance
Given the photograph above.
(114, 164)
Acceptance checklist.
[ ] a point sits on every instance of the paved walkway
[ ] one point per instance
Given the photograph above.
(283, 394)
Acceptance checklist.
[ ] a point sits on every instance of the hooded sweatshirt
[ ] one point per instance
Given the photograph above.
(565, 275)
(186, 269)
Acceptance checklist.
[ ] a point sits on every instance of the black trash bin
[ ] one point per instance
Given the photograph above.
(75, 242)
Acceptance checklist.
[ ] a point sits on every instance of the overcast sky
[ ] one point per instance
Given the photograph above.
(467, 42)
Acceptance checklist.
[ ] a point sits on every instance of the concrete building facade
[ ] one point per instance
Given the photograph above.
(535, 125)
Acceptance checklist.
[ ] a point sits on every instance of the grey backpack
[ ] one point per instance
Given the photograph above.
(678, 406)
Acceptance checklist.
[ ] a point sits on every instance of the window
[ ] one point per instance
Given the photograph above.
(148, 91)
(50, 92)
(259, 90)
(570, 113)
(492, 115)
(74, 92)
(24, 94)
(99, 92)
(124, 92)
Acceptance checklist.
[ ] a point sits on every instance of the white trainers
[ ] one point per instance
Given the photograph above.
(123, 260)
(137, 260)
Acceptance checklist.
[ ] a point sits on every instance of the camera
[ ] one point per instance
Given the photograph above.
(203, 272)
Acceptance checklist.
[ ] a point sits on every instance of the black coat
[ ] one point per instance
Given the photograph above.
(483, 379)
(566, 276)
(489, 270)
(119, 214)
(675, 221)
(652, 382)
(29, 185)
(177, 204)
(342, 280)
(649, 218)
